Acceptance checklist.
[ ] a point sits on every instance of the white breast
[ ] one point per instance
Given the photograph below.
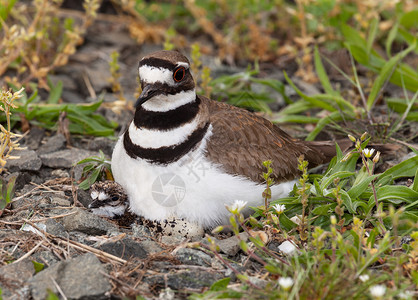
(193, 187)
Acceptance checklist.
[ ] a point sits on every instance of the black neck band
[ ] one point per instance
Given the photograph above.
(164, 155)
(168, 119)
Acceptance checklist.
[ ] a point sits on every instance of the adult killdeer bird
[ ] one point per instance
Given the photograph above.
(187, 156)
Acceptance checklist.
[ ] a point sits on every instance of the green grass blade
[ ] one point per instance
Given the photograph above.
(327, 180)
(296, 107)
(55, 93)
(406, 168)
(286, 222)
(5, 9)
(86, 183)
(357, 189)
(333, 117)
(300, 119)
(385, 74)
(400, 192)
(324, 210)
(11, 186)
(391, 37)
(352, 36)
(372, 35)
(415, 185)
(340, 101)
(278, 86)
(309, 99)
(322, 74)
(407, 37)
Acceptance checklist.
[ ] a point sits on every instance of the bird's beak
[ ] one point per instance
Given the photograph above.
(147, 93)
(95, 204)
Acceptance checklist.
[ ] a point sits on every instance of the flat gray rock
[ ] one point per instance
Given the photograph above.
(65, 158)
(193, 257)
(87, 223)
(125, 249)
(14, 275)
(231, 246)
(55, 228)
(150, 247)
(28, 161)
(98, 74)
(45, 257)
(102, 143)
(34, 138)
(79, 278)
(53, 144)
(183, 280)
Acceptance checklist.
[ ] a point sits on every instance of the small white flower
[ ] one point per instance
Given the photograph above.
(368, 152)
(364, 277)
(285, 282)
(377, 291)
(287, 247)
(237, 206)
(279, 208)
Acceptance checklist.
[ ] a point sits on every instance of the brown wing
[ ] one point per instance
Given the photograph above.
(241, 141)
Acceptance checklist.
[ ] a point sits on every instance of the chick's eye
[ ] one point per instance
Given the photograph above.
(115, 198)
(179, 74)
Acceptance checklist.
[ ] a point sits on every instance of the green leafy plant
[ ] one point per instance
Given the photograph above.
(269, 183)
(361, 191)
(115, 75)
(38, 266)
(8, 139)
(82, 117)
(392, 69)
(96, 167)
(238, 90)
(7, 192)
(52, 295)
(5, 9)
(337, 107)
(346, 245)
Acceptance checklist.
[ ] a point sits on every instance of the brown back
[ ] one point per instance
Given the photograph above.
(241, 141)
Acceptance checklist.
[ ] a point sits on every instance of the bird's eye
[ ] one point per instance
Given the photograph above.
(115, 198)
(179, 74)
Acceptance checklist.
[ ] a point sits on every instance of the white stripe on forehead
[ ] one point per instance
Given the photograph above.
(183, 64)
(94, 195)
(151, 74)
(103, 196)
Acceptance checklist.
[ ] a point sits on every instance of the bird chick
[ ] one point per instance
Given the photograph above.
(109, 199)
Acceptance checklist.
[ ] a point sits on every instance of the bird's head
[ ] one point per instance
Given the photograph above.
(166, 81)
(109, 199)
